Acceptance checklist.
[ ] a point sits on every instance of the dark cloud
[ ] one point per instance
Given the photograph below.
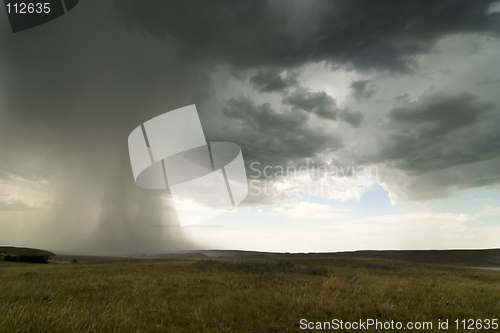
(354, 118)
(363, 90)
(271, 80)
(319, 103)
(263, 118)
(322, 105)
(441, 131)
(363, 34)
(273, 137)
(445, 113)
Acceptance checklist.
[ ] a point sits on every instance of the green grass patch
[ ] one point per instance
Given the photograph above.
(172, 295)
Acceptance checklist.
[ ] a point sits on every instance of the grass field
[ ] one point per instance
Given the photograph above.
(174, 295)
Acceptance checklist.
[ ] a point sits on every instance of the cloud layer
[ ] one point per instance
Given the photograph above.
(363, 35)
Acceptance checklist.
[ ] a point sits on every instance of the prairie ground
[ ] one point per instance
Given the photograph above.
(172, 295)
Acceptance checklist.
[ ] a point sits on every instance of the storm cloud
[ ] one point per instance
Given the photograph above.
(73, 89)
(271, 80)
(265, 40)
(362, 89)
(362, 35)
(439, 131)
(277, 137)
(322, 105)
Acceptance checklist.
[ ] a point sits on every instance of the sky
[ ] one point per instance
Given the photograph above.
(377, 123)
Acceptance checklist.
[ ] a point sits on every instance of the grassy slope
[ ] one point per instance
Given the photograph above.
(24, 251)
(175, 295)
(471, 258)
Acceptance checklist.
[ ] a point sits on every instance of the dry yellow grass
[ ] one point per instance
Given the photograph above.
(237, 296)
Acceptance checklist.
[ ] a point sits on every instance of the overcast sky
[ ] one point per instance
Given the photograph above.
(408, 89)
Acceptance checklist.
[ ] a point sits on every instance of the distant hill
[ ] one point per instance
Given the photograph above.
(24, 251)
(470, 258)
